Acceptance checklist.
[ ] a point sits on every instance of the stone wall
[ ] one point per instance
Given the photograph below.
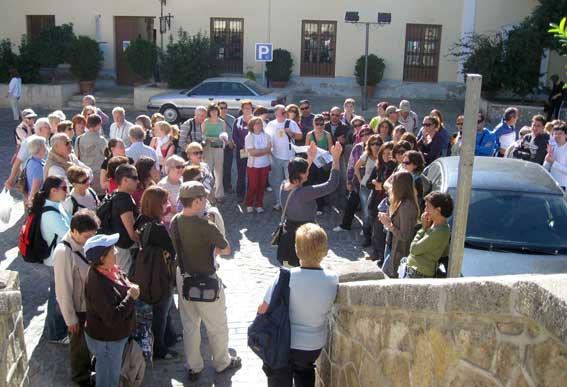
(46, 96)
(13, 358)
(501, 331)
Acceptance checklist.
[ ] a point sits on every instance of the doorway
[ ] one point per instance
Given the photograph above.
(127, 29)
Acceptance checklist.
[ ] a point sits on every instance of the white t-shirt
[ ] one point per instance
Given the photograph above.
(89, 201)
(280, 140)
(257, 141)
(15, 87)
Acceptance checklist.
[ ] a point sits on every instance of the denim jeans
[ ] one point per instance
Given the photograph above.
(54, 323)
(278, 174)
(162, 327)
(108, 360)
(366, 221)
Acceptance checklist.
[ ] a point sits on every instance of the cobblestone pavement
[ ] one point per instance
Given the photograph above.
(246, 274)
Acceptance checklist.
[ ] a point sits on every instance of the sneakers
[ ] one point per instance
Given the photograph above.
(63, 341)
(339, 229)
(269, 189)
(249, 210)
(259, 210)
(277, 207)
(235, 363)
(319, 213)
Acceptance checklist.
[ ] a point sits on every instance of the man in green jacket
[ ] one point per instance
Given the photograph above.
(432, 241)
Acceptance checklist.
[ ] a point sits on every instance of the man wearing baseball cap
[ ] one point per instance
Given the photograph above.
(197, 241)
(24, 128)
(407, 117)
(392, 114)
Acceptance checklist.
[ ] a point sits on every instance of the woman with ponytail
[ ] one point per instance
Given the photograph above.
(55, 223)
(115, 147)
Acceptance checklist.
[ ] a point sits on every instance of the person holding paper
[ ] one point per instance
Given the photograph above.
(319, 172)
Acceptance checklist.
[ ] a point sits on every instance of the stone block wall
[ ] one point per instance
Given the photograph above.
(497, 332)
(13, 358)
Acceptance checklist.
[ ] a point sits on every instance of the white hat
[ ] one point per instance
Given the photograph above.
(96, 244)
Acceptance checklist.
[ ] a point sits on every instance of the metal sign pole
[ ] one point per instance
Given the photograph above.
(365, 87)
(464, 183)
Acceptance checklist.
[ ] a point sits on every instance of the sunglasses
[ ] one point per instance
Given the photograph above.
(406, 162)
(223, 108)
(335, 115)
(293, 111)
(197, 153)
(459, 124)
(319, 123)
(84, 181)
(304, 108)
(373, 143)
(179, 166)
(358, 125)
(427, 124)
(133, 177)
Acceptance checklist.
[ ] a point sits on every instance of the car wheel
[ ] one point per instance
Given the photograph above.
(170, 113)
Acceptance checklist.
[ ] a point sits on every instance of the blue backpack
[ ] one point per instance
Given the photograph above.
(269, 336)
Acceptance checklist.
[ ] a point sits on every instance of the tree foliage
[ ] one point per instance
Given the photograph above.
(559, 33)
(280, 68)
(545, 13)
(189, 60)
(141, 58)
(53, 45)
(375, 74)
(8, 59)
(86, 59)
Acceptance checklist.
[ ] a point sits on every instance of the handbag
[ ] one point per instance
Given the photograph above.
(269, 335)
(277, 234)
(196, 287)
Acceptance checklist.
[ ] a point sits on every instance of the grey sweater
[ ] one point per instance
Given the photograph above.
(302, 206)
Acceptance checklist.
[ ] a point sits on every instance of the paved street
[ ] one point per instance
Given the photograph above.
(246, 275)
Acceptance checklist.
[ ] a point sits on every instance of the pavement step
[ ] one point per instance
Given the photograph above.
(106, 106)
(123, 99)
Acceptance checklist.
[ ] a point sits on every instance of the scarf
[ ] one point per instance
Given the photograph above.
(54, 159)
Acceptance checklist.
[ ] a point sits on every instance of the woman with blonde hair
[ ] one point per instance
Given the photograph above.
(400, 221)
(162, 142)
(88, 110)
(435, 141)
(312, 291)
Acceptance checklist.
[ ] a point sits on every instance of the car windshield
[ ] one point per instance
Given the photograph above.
(517, 221)
(259, 89)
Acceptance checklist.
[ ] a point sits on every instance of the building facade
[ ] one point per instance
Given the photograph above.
(415, 46)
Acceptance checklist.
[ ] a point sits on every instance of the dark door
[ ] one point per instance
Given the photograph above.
(126, 30)
(318, 48)
(421, 59)
(36, 23)
(228, 36)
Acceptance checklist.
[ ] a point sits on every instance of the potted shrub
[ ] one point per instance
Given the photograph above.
(141, 58)
(86, 62)
(375, 74)
(279, 70)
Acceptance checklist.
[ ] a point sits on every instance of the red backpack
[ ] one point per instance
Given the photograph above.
(33, 247)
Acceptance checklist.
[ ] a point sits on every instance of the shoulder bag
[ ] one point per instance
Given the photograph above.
(277, 234)
(196, 287)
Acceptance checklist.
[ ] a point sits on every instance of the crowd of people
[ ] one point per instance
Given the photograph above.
(133, 214)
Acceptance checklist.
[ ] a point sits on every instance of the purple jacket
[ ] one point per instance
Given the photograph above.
(355, 154)
(239, 132)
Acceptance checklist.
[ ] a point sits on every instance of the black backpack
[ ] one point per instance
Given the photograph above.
(32, 246)
(104, 213)
(77, 205)
(153, 271)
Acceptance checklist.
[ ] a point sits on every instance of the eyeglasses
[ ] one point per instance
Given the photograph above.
(179, 166)
(197, 153)
(304, 108)
(406, 162)
(63, 188)
(133, 177)
(427, 124)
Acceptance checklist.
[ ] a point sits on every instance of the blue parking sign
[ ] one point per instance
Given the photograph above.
(264, 52)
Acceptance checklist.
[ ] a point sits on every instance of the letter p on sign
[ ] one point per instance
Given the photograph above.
(264, 52)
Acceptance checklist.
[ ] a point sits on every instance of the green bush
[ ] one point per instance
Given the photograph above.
(375, 74)
(188, 61)
(279, 69)
(28, 64)
(53, 45)
(8, 60)
(86, 59)
(250, 75)
(141, 58)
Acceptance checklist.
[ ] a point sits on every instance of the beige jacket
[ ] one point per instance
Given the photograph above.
(70, 277)
(89, 148)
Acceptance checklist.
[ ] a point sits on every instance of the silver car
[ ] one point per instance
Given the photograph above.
(181, 104)
(517, 221)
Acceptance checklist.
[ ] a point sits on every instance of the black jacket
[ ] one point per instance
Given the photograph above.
(111, 315)
(340, 131)
(532, 148)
